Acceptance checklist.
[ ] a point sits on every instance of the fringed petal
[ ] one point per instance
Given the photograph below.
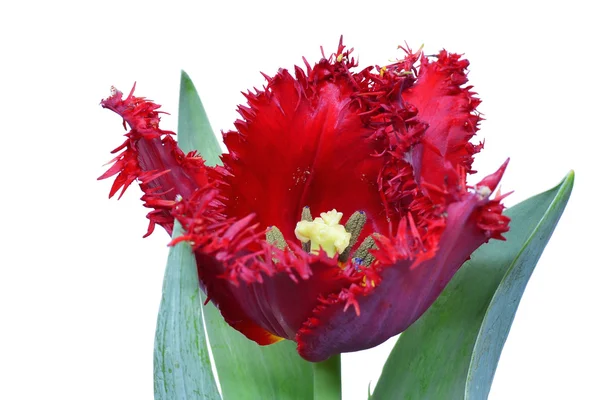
(449, 110)
(151, 156)
(393, 296)
(302, 142)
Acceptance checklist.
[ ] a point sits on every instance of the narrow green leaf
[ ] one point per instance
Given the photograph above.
(452, 351)
(193, 130)
(245, 370)
(182, 369)
(248, 371)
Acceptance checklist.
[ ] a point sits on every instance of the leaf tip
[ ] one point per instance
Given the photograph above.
(570, 177)
(567, 183)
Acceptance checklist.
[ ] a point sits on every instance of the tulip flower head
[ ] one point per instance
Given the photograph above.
(341, 209)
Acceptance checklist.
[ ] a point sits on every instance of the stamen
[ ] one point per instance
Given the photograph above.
(306, 216)
(354, 226)
(362, 255)
(324, 232)
(275, 237)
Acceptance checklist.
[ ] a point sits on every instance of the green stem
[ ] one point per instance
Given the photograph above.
(327, 378)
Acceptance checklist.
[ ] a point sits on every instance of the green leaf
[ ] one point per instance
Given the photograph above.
(245, 370)
(193, 130)
(452, 351)
(182, 369)
(248, 371)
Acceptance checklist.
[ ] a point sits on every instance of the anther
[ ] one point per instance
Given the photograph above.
(362, 254)
(275, 237)
(306, 216)
(354, 226)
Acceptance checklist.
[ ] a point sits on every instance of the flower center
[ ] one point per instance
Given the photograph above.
(328, 234)
(324, 232)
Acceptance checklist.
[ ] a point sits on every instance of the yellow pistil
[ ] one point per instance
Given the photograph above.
(325, 232)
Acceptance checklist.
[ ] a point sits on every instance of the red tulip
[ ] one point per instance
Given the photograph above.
(387, 147)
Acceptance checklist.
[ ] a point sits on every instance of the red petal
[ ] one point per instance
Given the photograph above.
(402, 292)
(151, 156)
(449, 110)
(303, 143)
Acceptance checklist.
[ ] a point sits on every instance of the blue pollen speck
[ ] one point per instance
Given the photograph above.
(357, 261)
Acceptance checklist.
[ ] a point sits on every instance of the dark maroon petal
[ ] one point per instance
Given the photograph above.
(403, 293)
(278, 304)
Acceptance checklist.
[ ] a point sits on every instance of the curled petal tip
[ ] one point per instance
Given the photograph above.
(491, 181)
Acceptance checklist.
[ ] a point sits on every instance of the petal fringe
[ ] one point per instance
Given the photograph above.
(150, 155)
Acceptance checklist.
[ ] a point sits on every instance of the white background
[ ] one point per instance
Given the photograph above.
(80, 288)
